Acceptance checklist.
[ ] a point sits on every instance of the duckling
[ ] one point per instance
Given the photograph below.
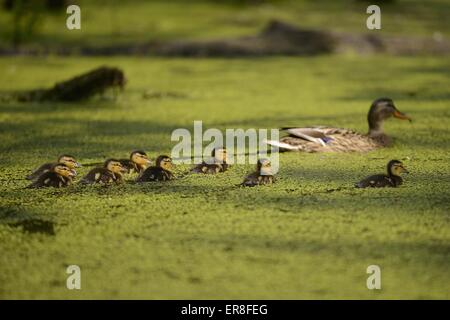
(330, 139)
(262, 175)
(111, 171)
(159, 172)
(393, 179)
(217, 164)
(138, 162)
(65, 159)
(59, 175)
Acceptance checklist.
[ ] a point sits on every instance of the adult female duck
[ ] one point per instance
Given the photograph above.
(328, 139)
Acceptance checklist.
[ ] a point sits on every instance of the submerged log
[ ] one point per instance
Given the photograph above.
(81, 87)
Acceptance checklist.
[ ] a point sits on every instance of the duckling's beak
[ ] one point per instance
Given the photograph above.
(405, 170)
(123, 170)
(73, 173)
(148, 161)
(401, 115)
(78, 165)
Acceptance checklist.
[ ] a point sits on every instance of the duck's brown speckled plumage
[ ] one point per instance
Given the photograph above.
(330, 139)
(343, 140)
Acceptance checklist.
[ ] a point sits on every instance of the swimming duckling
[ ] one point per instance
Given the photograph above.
(262, 175)
(59, 175)
(217, 164)
(111, 171)
(331, 139)
(138, 162)
(159, 172)
(392, 179)
(65, 159)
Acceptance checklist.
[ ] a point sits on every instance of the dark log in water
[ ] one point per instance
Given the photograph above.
(81, 87)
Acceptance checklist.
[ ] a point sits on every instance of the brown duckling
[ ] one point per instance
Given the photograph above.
(111, 171)
(65, 159)
(218, 163)
(59, 175)
(138, 162)
(262, 175)
(392, 179)
(331, 139)
(160, 172)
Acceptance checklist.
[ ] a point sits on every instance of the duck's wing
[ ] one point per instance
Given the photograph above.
(251, 180)
(129, 165)
(302, 139)
(39, 171)
(285, 145)
(150, 174)
(98, 175)
(317, 135)
(47, 179)
(375, 181)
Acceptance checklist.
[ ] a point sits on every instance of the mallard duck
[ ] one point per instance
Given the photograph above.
(111, 171)
(392, 179)
(217, 163)
(65, 159)
(138, 162)
(160, 172)
(328, 139)
(262, 175)
(59, 175)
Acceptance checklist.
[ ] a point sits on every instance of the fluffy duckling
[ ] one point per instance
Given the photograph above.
(262, 175)
(392, 179)
(217, 164)
(138, 162)
(111, 171)
(65, 159)
(59, 175)
(160, 172)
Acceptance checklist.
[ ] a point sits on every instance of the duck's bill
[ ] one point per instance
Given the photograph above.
(73, 173)
(405, 170)
(78, 165)
(401, 115)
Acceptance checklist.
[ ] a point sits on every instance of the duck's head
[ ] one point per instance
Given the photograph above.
(115, 166)
(264, 167)
(69, 161)
(64, 170)
(164, 162)
(380, 110)
(396, 168)
(140, 157)
(219, 155)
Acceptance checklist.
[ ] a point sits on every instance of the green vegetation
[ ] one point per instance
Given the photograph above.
(312, 235)
(107, 22)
